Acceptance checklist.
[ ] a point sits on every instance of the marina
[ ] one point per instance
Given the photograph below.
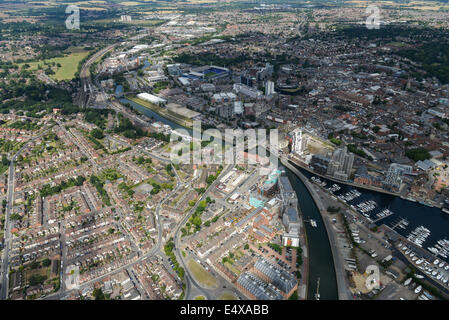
(335, 187)
(441, 248)
(400, 223)
(349, 196)
(432, 267)
(430, 225)
(419, 235)
(318, 181)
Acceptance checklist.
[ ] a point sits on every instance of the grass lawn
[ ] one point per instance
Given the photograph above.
(228, 265)
(69, 64)
(228, 296)
(43, 271)
(201, 275)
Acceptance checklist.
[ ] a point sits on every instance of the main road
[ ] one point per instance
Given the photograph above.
(9, 205)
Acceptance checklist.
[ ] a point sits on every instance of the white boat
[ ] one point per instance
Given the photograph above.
(419, 276)
(441, 265)
(419, 261)
(313, 223)
(418, 289)
(436, 262)
(407, 282)
(414, 258)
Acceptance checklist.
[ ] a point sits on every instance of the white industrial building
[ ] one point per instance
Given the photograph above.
(246, 90)
(152, 98)
(238, 107)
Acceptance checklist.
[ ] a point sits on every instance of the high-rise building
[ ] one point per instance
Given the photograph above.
(269, 88)
(248, 91)
(299, 143)
(333, 168)
(341, 164)
(393, 178)
(348, 162)
(246, 80)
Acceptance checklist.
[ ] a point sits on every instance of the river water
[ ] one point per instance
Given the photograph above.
(321, 263)
(415, 213)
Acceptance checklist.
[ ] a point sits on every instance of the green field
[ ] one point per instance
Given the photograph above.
(69, 64)
(201, 275)
(228, 265)
(228, 296)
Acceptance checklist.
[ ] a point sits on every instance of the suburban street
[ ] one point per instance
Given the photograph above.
(9, 205)
(193, 289)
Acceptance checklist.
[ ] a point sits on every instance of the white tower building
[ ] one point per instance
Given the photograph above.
(269, 88)
(297, 146)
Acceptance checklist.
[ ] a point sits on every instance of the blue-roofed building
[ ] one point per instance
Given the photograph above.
(270, 186)
(256, 202)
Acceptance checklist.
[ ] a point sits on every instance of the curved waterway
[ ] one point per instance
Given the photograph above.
(150, 113)
(321, 263)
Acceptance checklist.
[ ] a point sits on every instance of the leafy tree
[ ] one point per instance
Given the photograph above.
(35, 264)
(98, 294)
(97, 133)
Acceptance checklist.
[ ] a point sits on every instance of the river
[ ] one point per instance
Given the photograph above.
(321, 264)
